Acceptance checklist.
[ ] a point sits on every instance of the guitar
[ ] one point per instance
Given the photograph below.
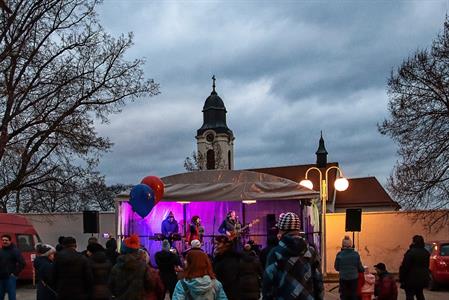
(238, 230)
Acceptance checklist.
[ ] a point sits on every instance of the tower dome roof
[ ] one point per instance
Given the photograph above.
(214, 114)
(214, 102)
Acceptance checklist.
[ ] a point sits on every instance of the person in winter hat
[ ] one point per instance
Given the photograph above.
(295, 258)
(157, 291)
(385, 287)
(72, 275)
(129, 279)
(169, 227)
(43, 265)
(167, 262)
(349, 265)
(198, 280)
(101, 268)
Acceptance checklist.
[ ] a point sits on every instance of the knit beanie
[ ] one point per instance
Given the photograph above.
(44, 249)
(165, 245)
(130, 244)
(346, 242)
(195, 244)
(288, 222)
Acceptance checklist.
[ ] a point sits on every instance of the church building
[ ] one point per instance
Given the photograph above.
(215, 151)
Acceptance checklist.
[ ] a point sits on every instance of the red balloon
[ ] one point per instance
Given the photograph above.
(156, 184)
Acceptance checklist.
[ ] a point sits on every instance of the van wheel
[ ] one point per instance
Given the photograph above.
(432, 284)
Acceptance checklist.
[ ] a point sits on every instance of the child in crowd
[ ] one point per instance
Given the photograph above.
(368, 286)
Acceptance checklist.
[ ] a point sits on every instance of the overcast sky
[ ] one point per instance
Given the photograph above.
(285, 70)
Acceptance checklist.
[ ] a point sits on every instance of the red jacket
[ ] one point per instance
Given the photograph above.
(386, 288)
(193, 233)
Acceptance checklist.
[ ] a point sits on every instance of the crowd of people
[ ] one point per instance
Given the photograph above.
(356, 281)
(288, 268)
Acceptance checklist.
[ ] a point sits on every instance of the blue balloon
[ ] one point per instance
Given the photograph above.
(142, 199)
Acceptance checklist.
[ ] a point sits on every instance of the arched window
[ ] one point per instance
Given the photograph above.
(210, 163)
(229, 160)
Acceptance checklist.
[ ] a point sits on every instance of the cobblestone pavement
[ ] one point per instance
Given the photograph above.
(26, 292)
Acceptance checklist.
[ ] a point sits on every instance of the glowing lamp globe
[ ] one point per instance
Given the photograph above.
(341, 184)
(306, 183)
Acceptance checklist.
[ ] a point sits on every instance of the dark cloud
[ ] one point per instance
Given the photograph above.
(285, 71)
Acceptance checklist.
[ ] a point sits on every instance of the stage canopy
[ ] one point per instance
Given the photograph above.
(230, 185)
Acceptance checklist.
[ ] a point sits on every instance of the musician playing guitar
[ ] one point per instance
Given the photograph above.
(229, 224)
(234, 229)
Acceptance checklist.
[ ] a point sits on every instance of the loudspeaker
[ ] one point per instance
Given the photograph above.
(353, 219)
(271, 225)
(91, 222)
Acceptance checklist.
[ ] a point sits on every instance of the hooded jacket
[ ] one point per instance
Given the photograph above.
(348, 264)
(291, 271)
(168, 227)
(199, 288)
(129, 279)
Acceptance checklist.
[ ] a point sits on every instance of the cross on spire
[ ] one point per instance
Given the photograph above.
(213, 83)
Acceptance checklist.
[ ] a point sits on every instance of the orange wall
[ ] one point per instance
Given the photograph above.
(385, 237)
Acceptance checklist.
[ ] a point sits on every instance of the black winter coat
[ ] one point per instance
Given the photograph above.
(11, 261)
(44, 268)
(250, 277)
(130, 278)
(226, 267)
(72, 275)
(166, 262)
(414, 270)
(240, 275)
(101, 269)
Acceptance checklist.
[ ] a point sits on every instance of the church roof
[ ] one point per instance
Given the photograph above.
(214, 102)
(214, 114)
(364, 192)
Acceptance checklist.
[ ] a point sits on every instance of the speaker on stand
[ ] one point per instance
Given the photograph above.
(353, 222)
(91, 222)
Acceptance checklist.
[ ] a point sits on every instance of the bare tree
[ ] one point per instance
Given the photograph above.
(59, 71)
(198, 161)
(419, 124)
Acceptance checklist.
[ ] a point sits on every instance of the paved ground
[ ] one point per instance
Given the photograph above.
(26, 292)
(443, 294)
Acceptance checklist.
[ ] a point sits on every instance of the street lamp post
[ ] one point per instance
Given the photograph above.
(340, 184)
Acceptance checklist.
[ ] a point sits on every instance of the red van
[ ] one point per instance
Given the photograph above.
(24, 236)
(439, 263)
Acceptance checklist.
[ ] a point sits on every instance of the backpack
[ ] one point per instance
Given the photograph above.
(209, 295)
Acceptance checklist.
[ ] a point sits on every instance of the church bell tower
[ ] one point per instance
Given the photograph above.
(215, 141)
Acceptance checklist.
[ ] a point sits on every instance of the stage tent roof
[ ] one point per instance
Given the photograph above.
(230, 185)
